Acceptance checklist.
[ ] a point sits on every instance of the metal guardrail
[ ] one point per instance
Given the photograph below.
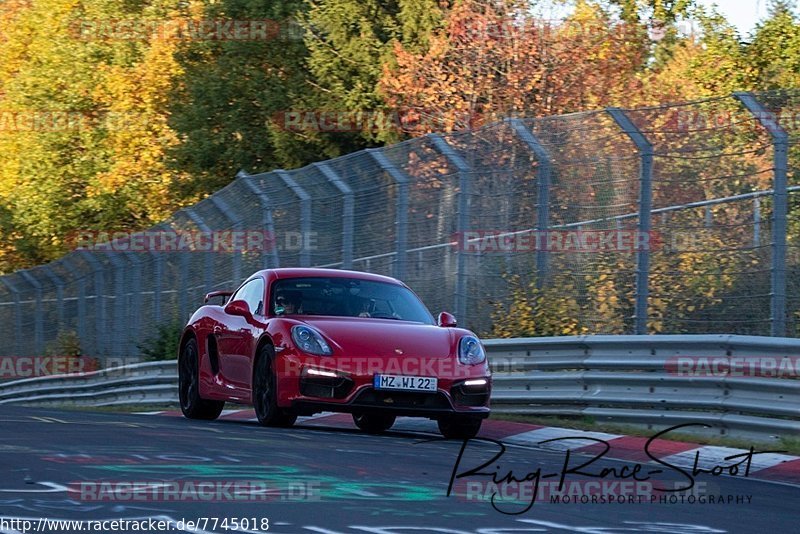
(142, 383)
(619, 379)
(628, 380)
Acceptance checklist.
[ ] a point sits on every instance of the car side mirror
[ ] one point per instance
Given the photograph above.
(238, 307)
(446, 320)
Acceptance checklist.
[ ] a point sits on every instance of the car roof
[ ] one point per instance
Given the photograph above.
(299, 272)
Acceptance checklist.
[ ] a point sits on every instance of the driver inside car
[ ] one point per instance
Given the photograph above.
(288, 303)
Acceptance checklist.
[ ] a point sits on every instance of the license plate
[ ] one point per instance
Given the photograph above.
(406, 383)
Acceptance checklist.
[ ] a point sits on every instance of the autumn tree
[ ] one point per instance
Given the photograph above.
(349, 42)
(84, 136)
(493, 59)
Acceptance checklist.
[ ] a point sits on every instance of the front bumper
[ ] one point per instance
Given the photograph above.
(341, 395)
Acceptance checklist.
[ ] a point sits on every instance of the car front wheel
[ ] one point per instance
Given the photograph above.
(373, 423)
(192, 405)
(265, 393)
(459, 427)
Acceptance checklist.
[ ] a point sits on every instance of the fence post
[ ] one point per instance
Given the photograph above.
(268, 222)
(183, 287)
(236, 224)
(347, 212)
(208, 256)
(18, 342)
(119, 325)
(401, 215)
(543, 180)
(100, 303)
(645, 209)
(305, 213)
(756, 222)
(58, 284)
(158, 276)
(80, 301)
(444, 148)
(135, 305)
(780, 200)
(38, 330)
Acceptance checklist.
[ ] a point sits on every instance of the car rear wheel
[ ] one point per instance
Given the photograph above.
(192, 405)
(459, 427)
(373, 423)
(265, 393)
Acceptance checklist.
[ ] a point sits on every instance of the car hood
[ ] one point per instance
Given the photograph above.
(384, 337)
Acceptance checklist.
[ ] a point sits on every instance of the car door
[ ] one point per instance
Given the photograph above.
(238, 337)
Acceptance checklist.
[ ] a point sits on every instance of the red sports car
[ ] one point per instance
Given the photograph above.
(301, 341)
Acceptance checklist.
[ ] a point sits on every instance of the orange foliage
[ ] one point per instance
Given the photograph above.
(492, 61)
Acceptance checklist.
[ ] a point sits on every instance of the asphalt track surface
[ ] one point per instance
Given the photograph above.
(323, 480)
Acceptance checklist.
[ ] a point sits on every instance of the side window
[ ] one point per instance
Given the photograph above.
(253, 294)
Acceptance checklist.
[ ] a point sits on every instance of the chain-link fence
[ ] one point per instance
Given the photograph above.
(672, 219)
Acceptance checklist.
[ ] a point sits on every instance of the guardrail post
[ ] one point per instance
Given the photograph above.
(236, 224)
(645, 208)
(543, 179)
(347, 212)
(18, 342)
(100, 303)
(58, 284)
(268, 223)
(780, 200)
(444, 148)
(305, 213)
(208, 256)
(38, 330)
(401, 215)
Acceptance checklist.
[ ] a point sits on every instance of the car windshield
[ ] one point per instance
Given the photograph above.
(347, 297)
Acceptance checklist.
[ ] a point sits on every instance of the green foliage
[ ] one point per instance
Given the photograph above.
(230, 92)
(164, 343)
(350, 41)
(774, 52)
(66, 343)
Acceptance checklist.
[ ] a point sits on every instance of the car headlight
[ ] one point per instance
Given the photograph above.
(470, 351)
(309, 340)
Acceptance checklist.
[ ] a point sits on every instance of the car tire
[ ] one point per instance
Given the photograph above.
(192, 405)
(459, 427)
(265, 392)
(373, 423)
